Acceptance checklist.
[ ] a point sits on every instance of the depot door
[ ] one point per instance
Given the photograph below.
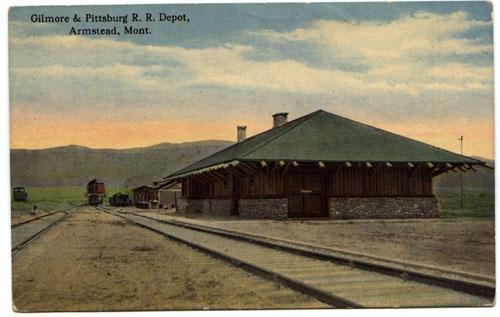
(306, 193)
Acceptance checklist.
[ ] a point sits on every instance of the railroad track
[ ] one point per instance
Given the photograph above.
(333, 280)
(23, 233)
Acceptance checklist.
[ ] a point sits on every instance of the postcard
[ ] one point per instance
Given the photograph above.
(252, 156)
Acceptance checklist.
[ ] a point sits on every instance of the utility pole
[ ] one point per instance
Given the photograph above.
(461, 139)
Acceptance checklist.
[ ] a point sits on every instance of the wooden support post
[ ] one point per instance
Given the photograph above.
(255, 167)
(286, 168)
(211, 176)
(335, 169)
(245, 168)
(199, 179)
(275, 167)
(250, 169)
(265, 165)
(441, 170)
(462, 168)
(242, 171)
(374, 170)
(435, 170)
(414, 169)
(220, 175)
(236, 172)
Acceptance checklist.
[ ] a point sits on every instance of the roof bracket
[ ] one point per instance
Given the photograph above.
(413, 169)
(286, 168)
(374, 170)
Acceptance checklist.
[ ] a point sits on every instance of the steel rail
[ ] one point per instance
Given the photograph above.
(35, 218)
(28, 240)
(480, 288)
(466, 287)
(322, 296)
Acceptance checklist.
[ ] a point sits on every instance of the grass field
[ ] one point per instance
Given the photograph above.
(57, 198)
(476, 204)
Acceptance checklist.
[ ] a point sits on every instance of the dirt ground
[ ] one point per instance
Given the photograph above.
(461, 244)
(94, 261)
(24, 216)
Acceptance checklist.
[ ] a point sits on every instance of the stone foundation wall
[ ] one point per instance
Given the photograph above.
(383, 207)
(189, 206)
(217, 207)
(275, 208)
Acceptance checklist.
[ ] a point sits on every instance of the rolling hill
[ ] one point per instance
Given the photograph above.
(75, 165)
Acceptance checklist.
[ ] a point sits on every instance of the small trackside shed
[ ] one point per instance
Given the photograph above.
(145, 197)
(319, 165)
(168, 193)
(159, 195)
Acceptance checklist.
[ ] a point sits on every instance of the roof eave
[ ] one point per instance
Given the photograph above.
(202, 170)
(237, 161)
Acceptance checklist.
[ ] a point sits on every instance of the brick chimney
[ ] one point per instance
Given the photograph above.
(279, 119)
(242, 133)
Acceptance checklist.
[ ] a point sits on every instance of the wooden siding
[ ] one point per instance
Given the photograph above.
(355, 181)
(382, 181)
(263, 185)
(145, 195)
(221, 188)
(193, 187)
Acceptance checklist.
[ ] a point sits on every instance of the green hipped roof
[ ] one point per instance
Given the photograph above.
(324, 136)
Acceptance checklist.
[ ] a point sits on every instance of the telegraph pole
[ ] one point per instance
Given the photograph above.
(461, 139)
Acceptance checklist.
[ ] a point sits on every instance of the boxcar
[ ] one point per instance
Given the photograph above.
(20, 194)
(96, 192)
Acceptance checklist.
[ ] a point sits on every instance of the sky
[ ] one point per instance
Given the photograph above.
(423, 70)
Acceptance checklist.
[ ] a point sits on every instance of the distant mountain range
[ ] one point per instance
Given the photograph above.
(75, 165)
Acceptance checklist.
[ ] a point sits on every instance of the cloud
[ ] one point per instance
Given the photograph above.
(418, 53)
(461, 71)
(396, 54)
(422, 34)
(103, 70)
(420, 66)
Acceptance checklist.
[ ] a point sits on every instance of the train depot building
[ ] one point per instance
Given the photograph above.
(319, 165)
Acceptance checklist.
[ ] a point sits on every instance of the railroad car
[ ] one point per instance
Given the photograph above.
(120, 200)
(96, 192)
(20, 194)
(142, 205)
